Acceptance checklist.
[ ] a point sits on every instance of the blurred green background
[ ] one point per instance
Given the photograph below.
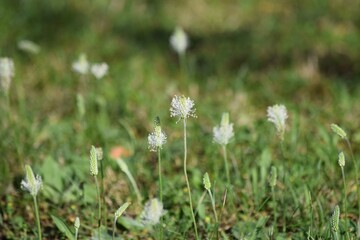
(244, 55)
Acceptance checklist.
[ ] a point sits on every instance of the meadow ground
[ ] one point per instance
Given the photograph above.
(243, 57)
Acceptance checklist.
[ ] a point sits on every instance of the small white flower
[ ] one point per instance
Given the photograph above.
(182, 107)
(6, 73)
(31, 183)
(153, 210)
(277, 114)
(99, 70)
(81, 65)
(156, 139)
(28, 46)
(179, 41)
(224, 132)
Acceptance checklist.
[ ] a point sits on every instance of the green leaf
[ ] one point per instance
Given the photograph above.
(61, 225)
(49, 169)
(89, 193)
(130, 223)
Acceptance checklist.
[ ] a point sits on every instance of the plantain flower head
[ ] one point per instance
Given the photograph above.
(152, 212)
(121, 210)
(31, 183)
(224, 132)
(28, 46)
(273, 177)
(77, 223)
(206, 181)
(99, 70)
(338, 130)
(335, 219)
(182, 107)
(277, 114)
(81, 65)
(341, 160)
(94, 161)
(6, 74)
(179, 41)
(156, 139)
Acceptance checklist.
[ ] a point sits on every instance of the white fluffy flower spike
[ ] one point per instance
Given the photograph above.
(6, 73)
(99, 70)
(157, 138)
(277, 114)
(179, 41)
(182, 107)
(224, 132)
(81, 65)
(152, 212)
(31, 183)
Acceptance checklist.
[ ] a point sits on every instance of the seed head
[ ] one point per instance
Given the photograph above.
(81, 65)
(77, 223)
(93, 161)
(223, 133)
(338, 130)
(156, 139)
(28, 46)
(273, 177)
(335, 219)
(152, 212)
(121, 210)
(31, 183)
(277, 114)
(179, 41)
(182, 107)
(6, 74)
(99, 70)
(206, 181)
(341, 160)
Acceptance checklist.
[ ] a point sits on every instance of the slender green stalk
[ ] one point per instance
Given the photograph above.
(160, 178)
(213, 206)
(356, 174)
(102, 186)
(37, 217)
(161, 192)
(187, 181)
(99, 206)
(344, 200)
(137, 191)
(126, 170)
(215, 214)
(335, 234)
(8, 106)
(183, 67)
(311, 215)
(76, 234)
(226, 164)
(274, 209)
(282, 149)
(114, 227)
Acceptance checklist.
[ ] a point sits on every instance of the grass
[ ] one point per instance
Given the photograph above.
(240, 65)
